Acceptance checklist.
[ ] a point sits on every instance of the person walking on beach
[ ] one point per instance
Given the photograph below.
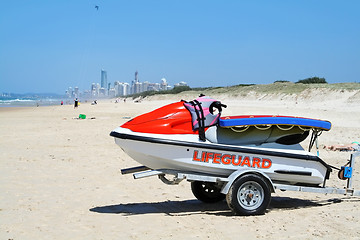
(76, 103)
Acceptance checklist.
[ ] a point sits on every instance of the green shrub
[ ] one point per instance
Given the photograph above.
(312, 80)
(281, 81)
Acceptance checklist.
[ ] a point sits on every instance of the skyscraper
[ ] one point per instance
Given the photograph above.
(76, 92)
(136, 76)
(135, 85)
(163, 84)
(104, 79)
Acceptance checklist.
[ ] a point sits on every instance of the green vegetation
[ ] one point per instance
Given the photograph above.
(312, 80)
(281, 87)
(175, 90)
(281, 81)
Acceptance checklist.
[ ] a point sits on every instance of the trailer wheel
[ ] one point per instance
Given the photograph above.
(207, 192)
(249, 195)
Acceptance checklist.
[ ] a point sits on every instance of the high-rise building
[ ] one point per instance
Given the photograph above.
(117, 87)
(163, 84)
(102, 92)
(136, 76)
(180, 84)
(137, 87)
(145, 86)
(153, 87)
(135, 84)
(112, 92)
(76, 92)
(70, 92)
(95, 89)
(104, 79)
(126, 89)
(120, 88)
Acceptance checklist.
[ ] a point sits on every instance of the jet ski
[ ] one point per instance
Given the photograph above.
(193, 137)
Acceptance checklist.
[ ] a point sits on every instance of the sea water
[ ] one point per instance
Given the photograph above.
(30, 101)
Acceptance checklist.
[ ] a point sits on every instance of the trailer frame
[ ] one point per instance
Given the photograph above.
(226, 183)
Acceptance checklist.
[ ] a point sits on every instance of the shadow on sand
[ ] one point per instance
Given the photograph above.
(191, 207)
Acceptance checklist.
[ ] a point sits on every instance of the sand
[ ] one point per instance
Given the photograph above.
(60, 178)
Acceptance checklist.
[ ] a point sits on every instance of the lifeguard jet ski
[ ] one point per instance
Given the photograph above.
(193, 137)
(241, 158)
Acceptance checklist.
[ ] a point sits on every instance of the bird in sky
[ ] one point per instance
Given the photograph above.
(97, 7)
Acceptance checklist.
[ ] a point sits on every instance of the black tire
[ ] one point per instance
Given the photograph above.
(207, 192)
(249, 195)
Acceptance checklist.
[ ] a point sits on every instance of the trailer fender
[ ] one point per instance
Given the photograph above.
(235, 175)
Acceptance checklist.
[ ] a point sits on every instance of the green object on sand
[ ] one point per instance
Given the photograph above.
(82, 116)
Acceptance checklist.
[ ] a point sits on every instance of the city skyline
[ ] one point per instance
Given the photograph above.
(105, 89)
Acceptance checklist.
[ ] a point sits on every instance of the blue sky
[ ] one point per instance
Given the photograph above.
(47, 46)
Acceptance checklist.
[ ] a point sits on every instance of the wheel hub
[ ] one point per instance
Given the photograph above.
(250, 195)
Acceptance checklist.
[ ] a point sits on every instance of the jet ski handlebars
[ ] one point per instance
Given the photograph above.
(218, 105)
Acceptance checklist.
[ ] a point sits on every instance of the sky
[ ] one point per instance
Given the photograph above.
(48, 46)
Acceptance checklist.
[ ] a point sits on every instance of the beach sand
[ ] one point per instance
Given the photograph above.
(60, 178)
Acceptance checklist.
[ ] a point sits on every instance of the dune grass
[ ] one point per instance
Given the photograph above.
(287, 88)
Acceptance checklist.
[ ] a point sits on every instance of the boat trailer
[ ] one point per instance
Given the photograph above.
(247, 191)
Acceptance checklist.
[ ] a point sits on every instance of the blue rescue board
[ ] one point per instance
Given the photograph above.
(275, 120)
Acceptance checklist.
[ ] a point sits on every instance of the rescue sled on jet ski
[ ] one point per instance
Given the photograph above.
(241, 157)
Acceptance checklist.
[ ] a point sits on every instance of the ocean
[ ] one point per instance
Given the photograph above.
(30, 101)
